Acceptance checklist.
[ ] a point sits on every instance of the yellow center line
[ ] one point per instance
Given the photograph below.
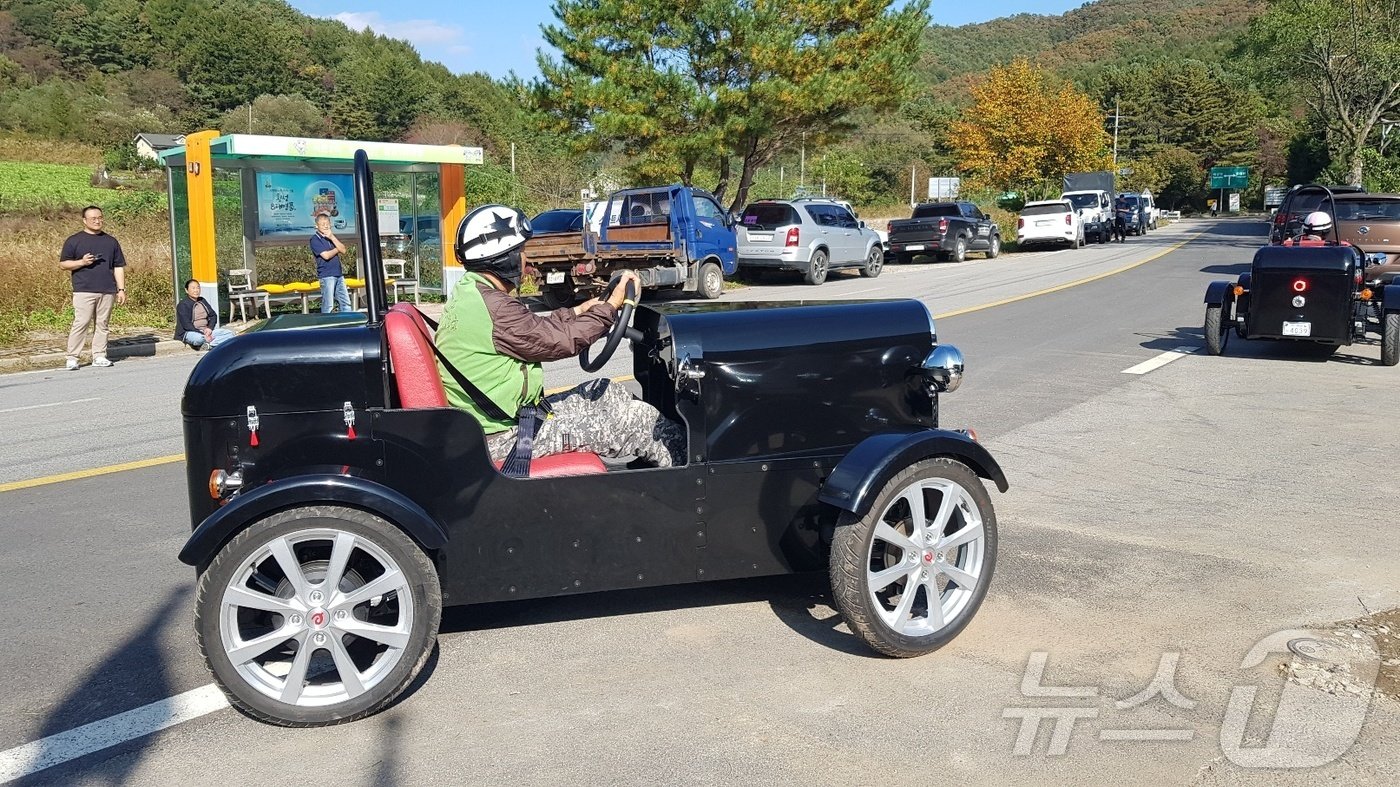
(96, 471)
(165, 460)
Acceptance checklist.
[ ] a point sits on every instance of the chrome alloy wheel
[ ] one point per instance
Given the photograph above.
(316, 617)
(926, 558)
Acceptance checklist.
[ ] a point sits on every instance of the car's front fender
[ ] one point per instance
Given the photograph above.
(249, 506)
(862, 473)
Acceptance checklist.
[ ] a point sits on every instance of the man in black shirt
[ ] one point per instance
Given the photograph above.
(98, 266)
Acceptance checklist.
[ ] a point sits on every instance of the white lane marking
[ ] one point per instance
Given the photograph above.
(1160, 361)
(50, 404)
(857, 292)
(80, 741)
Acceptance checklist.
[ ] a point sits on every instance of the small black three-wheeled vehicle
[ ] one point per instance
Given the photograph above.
(1318, 291)
(338, 503)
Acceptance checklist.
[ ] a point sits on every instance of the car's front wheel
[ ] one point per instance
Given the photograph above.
(874, 263)
(711, 281)
(317, 615)
(910, 574)
(995, 248)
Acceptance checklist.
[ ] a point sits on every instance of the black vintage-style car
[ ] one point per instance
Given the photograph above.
(1317, 291)
(339, 504)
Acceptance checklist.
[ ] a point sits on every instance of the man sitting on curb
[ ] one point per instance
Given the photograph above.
(196, 322)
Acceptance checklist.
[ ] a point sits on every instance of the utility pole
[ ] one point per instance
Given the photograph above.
(250, 117)
(781, 192)
(512, 159)
(912, 168)
(823, 174)
(802, 171)
(1115, 136)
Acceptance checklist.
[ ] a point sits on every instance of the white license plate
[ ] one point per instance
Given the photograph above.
(1042, 224)
(1297, 329)
(914, 247)
(554, 277)
(760, 237)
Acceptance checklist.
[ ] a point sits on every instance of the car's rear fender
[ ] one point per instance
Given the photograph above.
(862, 473)
(1220, 293)
(1390, 297)
(250, 506)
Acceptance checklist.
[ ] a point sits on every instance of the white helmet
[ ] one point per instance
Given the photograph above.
(489, 240)
(1318, 223)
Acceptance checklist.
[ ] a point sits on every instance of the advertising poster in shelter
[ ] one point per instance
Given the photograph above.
(288, 204)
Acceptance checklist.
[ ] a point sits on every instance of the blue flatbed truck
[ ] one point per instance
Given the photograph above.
(673, 236)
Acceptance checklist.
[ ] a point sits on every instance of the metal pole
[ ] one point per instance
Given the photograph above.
(250, 117)
(781, 178)
(802, 172)
(512, 159)
(823, 174)
(1115, 135)
(912, 167)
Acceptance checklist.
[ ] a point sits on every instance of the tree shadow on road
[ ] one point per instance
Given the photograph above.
(132, 674)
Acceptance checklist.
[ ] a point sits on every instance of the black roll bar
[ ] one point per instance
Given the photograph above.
(368, 210)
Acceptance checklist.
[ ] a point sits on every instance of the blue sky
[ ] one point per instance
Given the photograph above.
(499, 37)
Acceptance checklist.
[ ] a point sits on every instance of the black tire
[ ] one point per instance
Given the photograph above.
(817, 268)
(558, 296)
(1216, 330)
(854, 555)
(995, 248)
(959, 253)
(711, 281)
(1390, 339)
(370, 531)
(874, 263)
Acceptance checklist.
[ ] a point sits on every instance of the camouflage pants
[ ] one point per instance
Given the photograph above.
(602, 417)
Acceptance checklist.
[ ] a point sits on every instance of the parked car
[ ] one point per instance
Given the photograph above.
(559, 220)
(1049, 221)
(1298, 203)
(1091, 193)
(339, 504)
(1134, 209)
(1149, 209)
(947, 229)
(812, 236)
(400, 246)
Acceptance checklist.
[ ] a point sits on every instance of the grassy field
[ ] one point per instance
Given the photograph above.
(27, 187)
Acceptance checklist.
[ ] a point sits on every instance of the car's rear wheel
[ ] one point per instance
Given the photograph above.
(558, 296)
(1216, 329)
(959, 253)
(317, 615)
(874, 263)
(995, 248)
(817, 268)
(909, 575)
(1390, 338)
(711, 281)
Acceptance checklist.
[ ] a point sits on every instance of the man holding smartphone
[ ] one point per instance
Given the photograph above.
(98, 267)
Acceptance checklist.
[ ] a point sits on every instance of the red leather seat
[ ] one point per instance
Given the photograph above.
(420, 385)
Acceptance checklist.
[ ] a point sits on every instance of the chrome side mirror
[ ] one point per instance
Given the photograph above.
(942, 369)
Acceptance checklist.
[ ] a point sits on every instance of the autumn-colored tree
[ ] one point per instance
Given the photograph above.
(1024, 130)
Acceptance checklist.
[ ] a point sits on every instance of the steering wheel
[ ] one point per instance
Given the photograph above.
(622, 327)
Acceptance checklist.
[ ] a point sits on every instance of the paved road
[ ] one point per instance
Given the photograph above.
(1191, 510)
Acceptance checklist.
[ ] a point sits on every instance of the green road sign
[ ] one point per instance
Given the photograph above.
(1229, 177)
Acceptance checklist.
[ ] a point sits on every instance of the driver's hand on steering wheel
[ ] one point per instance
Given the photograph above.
(619, 293)
(585, 306)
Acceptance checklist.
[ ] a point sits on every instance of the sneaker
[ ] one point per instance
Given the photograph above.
(101, 361)
(71, 365)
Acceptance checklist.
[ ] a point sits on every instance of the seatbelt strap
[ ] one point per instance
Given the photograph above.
(528, 420)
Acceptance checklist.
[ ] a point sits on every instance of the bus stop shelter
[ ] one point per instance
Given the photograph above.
(235, 197)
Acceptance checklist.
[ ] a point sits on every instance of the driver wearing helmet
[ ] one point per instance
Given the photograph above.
(1315, 228)
(498, 344)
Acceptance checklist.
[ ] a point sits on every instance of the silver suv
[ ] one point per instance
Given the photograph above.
(808, 235)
